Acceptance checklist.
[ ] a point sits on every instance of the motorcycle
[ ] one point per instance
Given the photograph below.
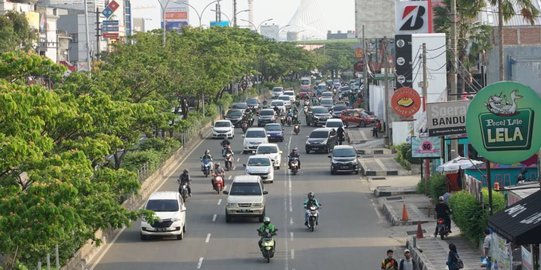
(206, 164)
(312, 217)
(228, 161)
(183, 189)
(283, 120)
(305, 109)
(441, 228)
(225, 149)
(294, 165)
(218, 183)
(267, 245)
(244, 126)
(289, 120)
(296, 129)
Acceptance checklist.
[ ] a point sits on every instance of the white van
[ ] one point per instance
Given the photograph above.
(171, 213)
(245, 198)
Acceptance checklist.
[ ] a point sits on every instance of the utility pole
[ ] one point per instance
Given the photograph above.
(234, 13)
(218, 12)
(87, 34)
(500, 41)
(97, 33)
(386, 140)
(365, 74)
(426, 161)
(454, 66)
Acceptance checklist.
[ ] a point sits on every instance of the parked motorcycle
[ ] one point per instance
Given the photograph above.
(267, 245)
(296, 129)
(313, 216)
(206, 165)
(183, 189)
(228, 161)
(218, 183)
(294, 165)
(441, 228)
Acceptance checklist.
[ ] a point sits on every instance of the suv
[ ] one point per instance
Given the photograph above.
(266, 116)
(291, 95)
(277, 91)
(286, 99)
(223, 129)
(240, 105)
(260, 165)
(318, 116)
(253, 103)
(253, 138)
(320, 139)
(245, 198)
(338, 109)
(327, 103)
(169, 208)
(272, 151)
(235, 116)
(344, 159)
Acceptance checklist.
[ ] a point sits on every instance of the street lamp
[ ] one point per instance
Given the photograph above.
(199, 15)
(256, 28)
(223, 13)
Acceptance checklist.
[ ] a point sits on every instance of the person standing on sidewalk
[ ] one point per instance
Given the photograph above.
(376, 129)
(407, 263)
(453, 260)
(389, 263)
(486, 249)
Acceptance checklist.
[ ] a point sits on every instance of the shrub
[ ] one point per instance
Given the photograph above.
(436, 186)
(135, 160)
(421, 187)
(164, 146)
(211, 110)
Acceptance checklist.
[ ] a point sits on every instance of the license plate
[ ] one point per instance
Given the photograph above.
(245, 211)
(161, 229)
(344, 167)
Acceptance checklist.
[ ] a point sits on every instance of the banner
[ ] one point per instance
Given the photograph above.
(429, 147)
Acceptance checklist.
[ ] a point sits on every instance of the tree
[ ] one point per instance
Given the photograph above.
(337, 57)
(15, 33)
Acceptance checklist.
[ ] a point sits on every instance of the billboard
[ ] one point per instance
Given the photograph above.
(177, 11)
(411, 17)
(428, 147)
(173, 26)
(446, 118)
(220, 24)
(403, 61)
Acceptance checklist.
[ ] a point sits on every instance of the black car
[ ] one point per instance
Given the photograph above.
(239, 105)
(344, 159)
(320, 140)
(253, 103)
(318, 116)
(235, 116)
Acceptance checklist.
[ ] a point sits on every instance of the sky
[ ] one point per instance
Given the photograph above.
(336, 14)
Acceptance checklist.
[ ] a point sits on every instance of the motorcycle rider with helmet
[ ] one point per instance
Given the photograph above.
(311, 200)
(225, 143)
(218, 170)
(340, 133)
(294, 154)
(267, 226)
(184, 178)
(207, 155)
(443, 211)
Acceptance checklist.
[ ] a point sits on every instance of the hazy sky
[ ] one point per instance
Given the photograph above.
(337, 14)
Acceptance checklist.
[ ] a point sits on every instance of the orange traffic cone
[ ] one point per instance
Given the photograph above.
(405, 216)
(419, 231)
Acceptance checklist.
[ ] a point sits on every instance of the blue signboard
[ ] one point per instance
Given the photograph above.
(107, 12)
(110, 26)
(172, 26)
(220, 24)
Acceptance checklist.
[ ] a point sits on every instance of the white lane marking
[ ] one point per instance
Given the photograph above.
(238, 159)
(292, 236)
(219, 201)
(292, 254)
(287, 188)
(214, 218)
(109, 245)
(378, 161)
(200, 263)
(208, 238)
(380, 218)
(229, 177)
(291, 221)
(363, 136)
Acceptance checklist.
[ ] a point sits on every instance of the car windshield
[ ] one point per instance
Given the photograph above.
(285, 98)
(344, 152)
(277, 103)
(222, 124)
(278, 89)
(273, 128)
(326, 102)
(319, 134)
(289, 93)
(255, 134)
(305, 82)
(326, 94)
(259, 162)
(320, 110)
(251, 101)
(234, 113)
(339, 108)
(332, 124)
(162, 205)
(246, 189)
(266, 112)
(239, 106)
(267, 150)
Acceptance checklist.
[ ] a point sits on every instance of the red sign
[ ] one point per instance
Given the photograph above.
(110, 35)
(176, 15)
(113, 5)
(406, 102)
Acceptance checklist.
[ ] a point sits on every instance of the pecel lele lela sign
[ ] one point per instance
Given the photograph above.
(503, 122)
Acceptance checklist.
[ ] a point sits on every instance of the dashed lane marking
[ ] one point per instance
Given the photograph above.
(208, 238)
(200, 263)
(214, 218)
(219, 201)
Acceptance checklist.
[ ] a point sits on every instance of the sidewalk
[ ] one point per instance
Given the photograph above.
(429, 251)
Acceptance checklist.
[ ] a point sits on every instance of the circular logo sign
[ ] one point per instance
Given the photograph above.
(406, 101)
(400, 61)
(401, 79)
(400, 43)
(503, 122)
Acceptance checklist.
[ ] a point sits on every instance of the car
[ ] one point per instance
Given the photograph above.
(337, 110)
(272, 151)
(286, 99)
(253, 138)
(327, 103)
(336, 85)
(235, 116)
(344, 159)
(275, 132)
(326, 94)
(291, 95)
(262, 166)
(266, 116)
(334, 123)
(253, 103)
(320, 88)
(170, 211)
(245, 198)
(280, 104)
(277, 91)
(318, 116)
(320, 139)
(223, 128)
(358, 117)
(239, 105)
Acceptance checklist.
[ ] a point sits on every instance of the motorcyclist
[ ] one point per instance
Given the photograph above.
(311, 200)
(207, 155)
(340, 132)
(218, 170)
(184, 178)
(333, 132)
(443, 211)
(225, 143)
(294, 154)
(267, 226)
(276, 110)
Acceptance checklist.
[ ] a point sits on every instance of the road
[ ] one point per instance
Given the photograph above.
(351, 234)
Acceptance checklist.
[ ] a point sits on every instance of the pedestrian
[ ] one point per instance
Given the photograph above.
(376, 129)
(487, 242)
(407, 263)
(389, 263)
(453, 260)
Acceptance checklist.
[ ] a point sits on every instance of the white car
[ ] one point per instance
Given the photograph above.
(278, 103)
(286, 100)
(171, 213)
(262, 166)
(277, 91)
(253, 138)
(334, 123)
(272, 151)
(327, 103)
(223, 128)
(245, 198)
(291, 95)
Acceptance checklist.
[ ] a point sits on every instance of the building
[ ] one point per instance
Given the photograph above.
(138, 25)
(377, 18)
(292, 36)
(270, 31)
(339, 35)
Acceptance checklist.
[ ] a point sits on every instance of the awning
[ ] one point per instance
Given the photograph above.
(520, 223)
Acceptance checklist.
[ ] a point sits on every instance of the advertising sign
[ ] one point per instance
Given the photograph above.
(177, 11)
(503, 122)
(110, 26)
(406, 102)
(176, 15)
(110, 35)
(446, 118)
(359, 53)
(411, 17)
(173, 26)
(429, 147)
(403, 58)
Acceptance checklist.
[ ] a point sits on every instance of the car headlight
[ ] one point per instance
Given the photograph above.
(175, 219)
(257, 204)
(231, 205)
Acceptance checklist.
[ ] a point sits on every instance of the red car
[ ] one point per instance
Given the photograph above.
(357, 116)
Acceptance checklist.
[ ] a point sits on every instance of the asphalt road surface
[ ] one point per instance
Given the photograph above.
(350, 235)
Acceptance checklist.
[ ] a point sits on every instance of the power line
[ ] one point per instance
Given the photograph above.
(431, 50)
(444, 65)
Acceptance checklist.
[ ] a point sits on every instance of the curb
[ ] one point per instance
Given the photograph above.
(395, 219)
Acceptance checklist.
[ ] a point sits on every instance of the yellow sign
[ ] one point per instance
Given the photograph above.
(359, 53)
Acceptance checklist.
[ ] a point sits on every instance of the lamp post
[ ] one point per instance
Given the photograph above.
(227, 16)
(222, 13)
(256, 28)
(200, 15)
(87, 34)
(235, 14)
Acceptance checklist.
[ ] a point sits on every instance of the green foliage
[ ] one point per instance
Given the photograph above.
(135, 160)
(336, 57)
(470, 216)
(160, 145)
(437, 186)
(15, 33)
(404, 156)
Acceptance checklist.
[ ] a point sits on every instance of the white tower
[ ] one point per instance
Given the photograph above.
(309, 21)
(251, 12)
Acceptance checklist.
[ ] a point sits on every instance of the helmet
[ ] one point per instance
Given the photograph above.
(217, 164)
(295, 149)
(440, 199)
(207, 151)
(186, 171)
(311, 195)
(266, 220)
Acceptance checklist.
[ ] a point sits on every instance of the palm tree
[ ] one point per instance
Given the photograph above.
(506, 10)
